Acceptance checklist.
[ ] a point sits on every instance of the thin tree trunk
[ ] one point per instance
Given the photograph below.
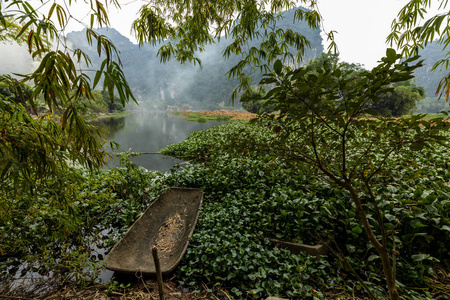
(382, 250)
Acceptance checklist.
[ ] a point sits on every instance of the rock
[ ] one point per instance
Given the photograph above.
(275, 298)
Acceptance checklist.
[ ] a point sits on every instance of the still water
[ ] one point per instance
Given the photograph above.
(148, 131)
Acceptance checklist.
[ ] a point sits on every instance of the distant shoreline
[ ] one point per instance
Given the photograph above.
(232, 114)
(111, 115)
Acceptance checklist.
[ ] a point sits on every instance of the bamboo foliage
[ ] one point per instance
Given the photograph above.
(36, 147)
(411, 32)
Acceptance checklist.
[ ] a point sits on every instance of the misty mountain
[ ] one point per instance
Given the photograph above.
(425, 76)
(175, 84)
(161, 85)
(430, 79)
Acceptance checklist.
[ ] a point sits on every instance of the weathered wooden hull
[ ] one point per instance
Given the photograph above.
(167, 224)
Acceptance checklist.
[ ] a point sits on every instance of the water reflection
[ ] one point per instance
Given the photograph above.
(111, 125)
(149, 132)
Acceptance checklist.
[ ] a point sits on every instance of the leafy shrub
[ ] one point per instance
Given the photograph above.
(55, 234)
(253, 102)
(250, 195)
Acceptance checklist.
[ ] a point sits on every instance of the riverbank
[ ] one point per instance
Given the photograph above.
(139, 289)
(217, 114)
(100, 116)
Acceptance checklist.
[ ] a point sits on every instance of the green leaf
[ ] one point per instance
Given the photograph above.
(389, 217)
(373, 257)
(417, 224)
(391, 55)
(262, 272)
(236, 291)
(278, 67)
(357, 229)
(445, 227)
(417, 146)
(5, 169)
(420, 257)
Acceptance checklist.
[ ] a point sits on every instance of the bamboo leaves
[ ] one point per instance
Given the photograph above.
(39, 147)
(411, 36)
(59, 71)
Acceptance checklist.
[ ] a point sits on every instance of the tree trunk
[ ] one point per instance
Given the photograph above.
(382, 250)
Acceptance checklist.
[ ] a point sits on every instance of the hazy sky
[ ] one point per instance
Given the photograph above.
(362, 25)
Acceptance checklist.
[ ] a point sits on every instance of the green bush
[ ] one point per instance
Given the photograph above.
(253, 102)
(250, 196)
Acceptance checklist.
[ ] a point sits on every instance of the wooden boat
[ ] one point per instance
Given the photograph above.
(167, 224)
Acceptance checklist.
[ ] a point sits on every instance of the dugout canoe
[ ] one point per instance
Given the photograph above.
(167, 224)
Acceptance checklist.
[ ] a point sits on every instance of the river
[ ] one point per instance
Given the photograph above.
(149, 131)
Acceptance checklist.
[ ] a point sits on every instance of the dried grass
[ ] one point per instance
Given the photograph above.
(169, 233)
(236, 115)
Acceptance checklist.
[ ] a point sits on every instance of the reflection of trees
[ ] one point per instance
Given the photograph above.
(148, 131)
(110, 125)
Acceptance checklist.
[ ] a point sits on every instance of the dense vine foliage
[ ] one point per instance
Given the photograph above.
(250, 197)
(256, 193)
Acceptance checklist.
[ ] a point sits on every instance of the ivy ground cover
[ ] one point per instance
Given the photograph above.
(251, 196)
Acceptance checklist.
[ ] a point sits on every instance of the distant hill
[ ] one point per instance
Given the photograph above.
(430, 79)
(157, 84)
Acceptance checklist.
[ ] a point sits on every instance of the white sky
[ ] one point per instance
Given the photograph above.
(362, 25)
